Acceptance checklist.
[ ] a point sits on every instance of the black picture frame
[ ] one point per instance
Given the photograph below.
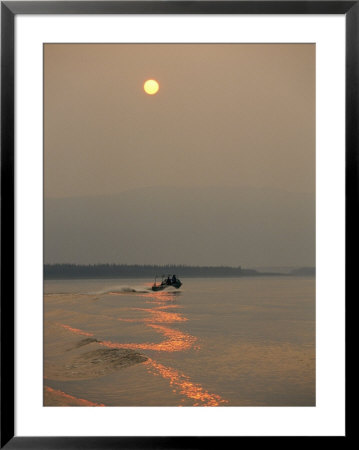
(9, 10)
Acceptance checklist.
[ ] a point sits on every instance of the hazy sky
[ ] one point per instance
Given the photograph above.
(227, 115)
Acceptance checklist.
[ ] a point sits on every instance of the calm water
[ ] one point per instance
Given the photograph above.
(215, 342)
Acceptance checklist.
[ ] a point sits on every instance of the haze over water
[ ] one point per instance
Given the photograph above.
(215, 342)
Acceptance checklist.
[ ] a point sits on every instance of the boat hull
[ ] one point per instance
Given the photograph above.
(160, 287)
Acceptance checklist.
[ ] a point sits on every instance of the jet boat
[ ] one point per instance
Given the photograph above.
(167, 282)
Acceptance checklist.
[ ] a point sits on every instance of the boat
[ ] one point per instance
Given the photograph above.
(167, 282)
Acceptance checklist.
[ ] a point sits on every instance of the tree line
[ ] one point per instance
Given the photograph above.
(53, 271)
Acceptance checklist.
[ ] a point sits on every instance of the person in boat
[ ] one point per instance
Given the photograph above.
(168, 280)
(174, 279)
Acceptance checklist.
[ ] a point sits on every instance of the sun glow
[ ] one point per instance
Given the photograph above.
(151, 87)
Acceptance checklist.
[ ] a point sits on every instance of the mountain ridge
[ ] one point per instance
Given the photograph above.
(212, 225)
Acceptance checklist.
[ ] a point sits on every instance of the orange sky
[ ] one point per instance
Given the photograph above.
(226, 114)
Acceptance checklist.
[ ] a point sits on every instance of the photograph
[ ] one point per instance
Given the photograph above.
(179, 224)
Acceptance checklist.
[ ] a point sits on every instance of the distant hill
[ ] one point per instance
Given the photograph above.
(206, 226)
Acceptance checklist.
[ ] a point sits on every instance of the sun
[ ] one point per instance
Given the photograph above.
(151, 87)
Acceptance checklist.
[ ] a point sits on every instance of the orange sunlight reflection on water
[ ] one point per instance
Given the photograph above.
(161, 296)
(76, 330)
(157, 316)
(185, 386)
(175, 341)
(68, 397)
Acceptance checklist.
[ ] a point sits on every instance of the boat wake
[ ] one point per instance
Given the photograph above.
(121, 290)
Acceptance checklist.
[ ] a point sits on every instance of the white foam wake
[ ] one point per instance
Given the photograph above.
(122, 290)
